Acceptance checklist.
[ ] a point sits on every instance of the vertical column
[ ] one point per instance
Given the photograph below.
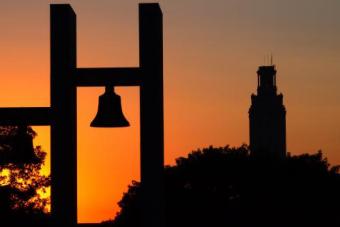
(151, 114)
(64, 112)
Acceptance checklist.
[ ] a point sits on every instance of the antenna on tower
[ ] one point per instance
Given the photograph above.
(271, 59)
(266, 59)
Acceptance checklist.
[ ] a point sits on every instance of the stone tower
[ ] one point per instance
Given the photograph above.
(267, 116)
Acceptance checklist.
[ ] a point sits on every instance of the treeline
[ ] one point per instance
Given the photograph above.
(228, 186)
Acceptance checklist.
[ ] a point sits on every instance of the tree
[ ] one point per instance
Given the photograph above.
(21, 181)
(230, 187)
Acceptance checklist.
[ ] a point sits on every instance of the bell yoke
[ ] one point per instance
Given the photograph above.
(62, 114)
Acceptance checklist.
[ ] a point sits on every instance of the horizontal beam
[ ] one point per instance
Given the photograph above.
(90, 77)
(25, 115)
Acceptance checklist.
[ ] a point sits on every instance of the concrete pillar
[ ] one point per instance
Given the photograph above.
(64, 112)
(151, 114)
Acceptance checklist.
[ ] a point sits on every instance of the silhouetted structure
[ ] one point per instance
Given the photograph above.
(62, 115)
(267, 115)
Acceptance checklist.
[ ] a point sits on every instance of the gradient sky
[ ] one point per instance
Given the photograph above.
(212, 49)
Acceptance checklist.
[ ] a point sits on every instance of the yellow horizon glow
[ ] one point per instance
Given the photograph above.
(211, 54)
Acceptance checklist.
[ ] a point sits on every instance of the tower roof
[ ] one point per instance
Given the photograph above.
(266, 70)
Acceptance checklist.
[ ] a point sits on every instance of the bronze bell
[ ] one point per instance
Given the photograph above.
(109, 111)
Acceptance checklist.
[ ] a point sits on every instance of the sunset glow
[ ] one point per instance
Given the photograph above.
(211, 54)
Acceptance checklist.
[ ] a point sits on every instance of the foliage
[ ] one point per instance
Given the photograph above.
(230, 187)
(21, 181)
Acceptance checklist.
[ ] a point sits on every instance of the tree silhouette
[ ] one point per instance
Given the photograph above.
(21, 182)
(230, 187)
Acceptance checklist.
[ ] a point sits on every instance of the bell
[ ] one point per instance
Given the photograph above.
(109, 111)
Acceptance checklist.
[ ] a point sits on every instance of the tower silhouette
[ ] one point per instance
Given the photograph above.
(267, 116)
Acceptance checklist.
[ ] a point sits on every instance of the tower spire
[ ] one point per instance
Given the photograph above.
(267, 115)
(271, 59)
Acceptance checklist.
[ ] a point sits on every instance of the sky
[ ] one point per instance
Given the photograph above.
(212, 49)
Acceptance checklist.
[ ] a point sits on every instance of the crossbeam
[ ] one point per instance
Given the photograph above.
(94, 77)
(25, 115)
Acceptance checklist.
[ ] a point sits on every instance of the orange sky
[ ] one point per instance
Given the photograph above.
(211, 54)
